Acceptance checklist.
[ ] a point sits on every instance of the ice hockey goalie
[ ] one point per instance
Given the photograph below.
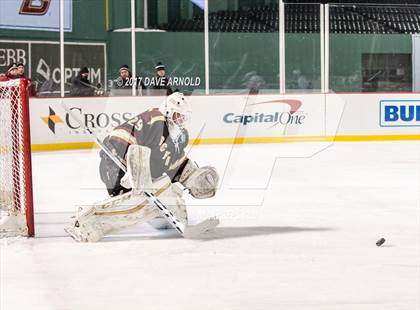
(152, 145)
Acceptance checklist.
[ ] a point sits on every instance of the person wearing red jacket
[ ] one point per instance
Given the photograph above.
(11, 73)
(21, 75)
(17, 71)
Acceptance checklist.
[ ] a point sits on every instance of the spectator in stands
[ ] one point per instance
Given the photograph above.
(301, 82)
(21, 74)
(123, 85)
(253, 82)
(12, 71)
(81, 86)
(21, 70)
(123, 80)
(161, 86)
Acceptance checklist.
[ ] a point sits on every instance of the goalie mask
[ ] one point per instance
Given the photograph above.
(177, 112)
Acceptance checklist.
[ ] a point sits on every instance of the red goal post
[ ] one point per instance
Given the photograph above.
(16, 198)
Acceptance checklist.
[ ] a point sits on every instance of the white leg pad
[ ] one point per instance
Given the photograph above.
(176, 205)
(92, 223)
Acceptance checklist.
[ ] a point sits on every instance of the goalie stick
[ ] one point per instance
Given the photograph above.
(187, 231)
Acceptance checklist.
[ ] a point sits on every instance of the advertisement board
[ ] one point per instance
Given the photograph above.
(45, 64)
(399, 113)
(13, 52)
(231, 119)
(216, 119)
(42, 61)
(379, 115)
(35, 15)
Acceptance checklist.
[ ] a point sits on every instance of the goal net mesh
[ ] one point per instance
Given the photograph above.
(15, 182)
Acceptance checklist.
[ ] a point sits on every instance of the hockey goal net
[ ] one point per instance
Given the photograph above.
(16, 207)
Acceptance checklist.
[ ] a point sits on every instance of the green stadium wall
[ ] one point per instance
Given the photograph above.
(232, 55)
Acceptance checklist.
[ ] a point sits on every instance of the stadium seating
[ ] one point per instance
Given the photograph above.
(304, 18)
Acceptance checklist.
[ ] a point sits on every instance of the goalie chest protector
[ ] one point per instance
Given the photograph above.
(151, 130)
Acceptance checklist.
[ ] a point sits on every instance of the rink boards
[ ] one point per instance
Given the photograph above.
(237, 119)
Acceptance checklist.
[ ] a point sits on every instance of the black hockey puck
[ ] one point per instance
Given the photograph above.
(380, 242)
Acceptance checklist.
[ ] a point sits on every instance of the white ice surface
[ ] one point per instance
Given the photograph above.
(306, 241)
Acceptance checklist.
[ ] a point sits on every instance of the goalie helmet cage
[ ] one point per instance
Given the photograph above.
(16, 201)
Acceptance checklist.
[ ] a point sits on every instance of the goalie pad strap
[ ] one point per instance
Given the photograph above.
(187, 171)
(135, 209)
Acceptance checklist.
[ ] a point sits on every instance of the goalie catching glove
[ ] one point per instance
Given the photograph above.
(201, 181)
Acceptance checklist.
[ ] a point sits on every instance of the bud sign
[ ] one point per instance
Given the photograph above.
(399, 113)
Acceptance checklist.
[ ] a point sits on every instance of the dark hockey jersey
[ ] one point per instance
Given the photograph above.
(150, 129)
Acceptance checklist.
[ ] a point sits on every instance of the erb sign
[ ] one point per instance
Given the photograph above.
(399, 113)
